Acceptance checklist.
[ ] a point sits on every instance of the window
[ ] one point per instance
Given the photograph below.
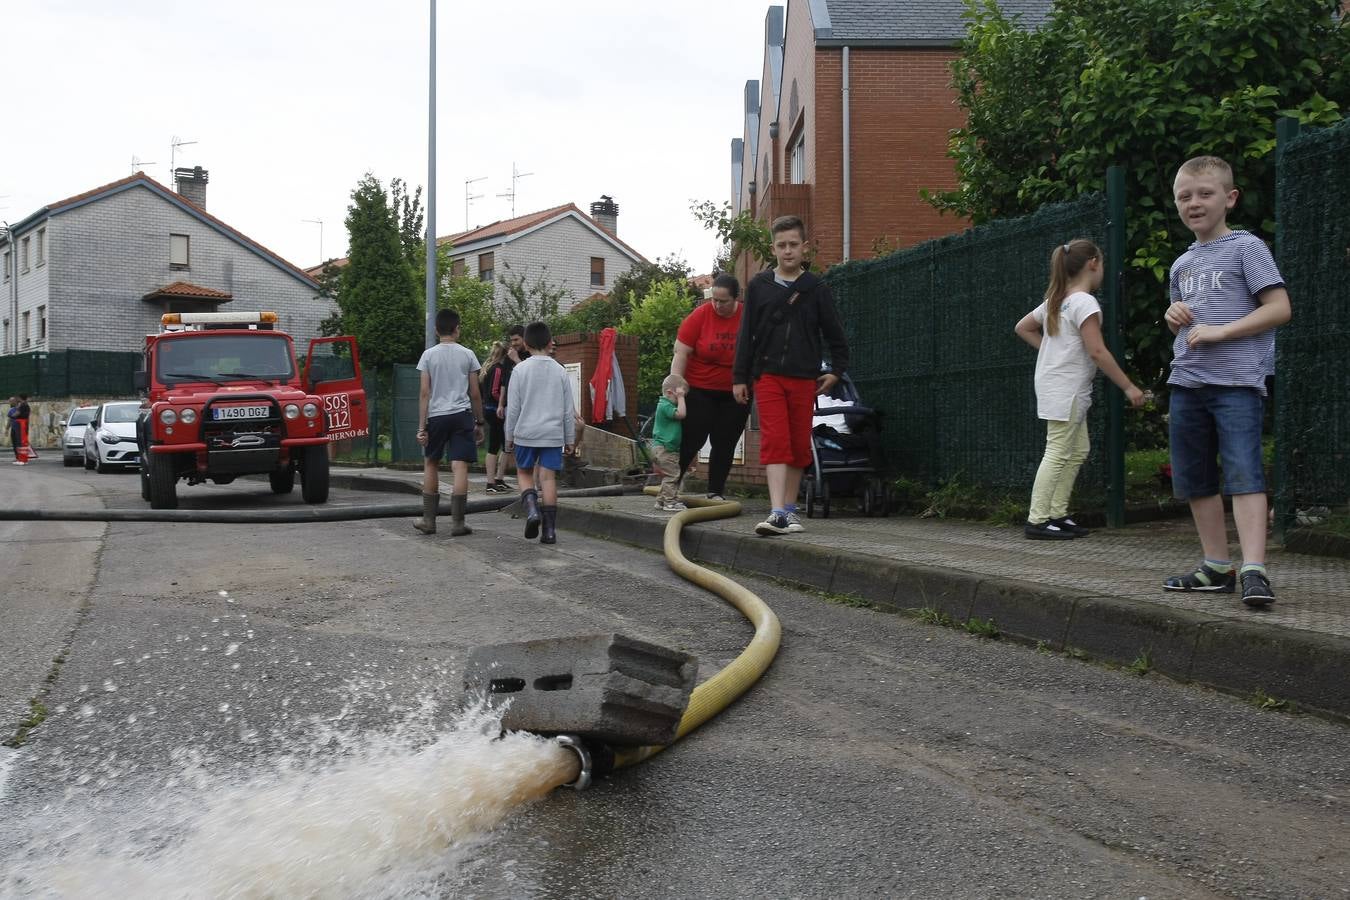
(4, 338)
(42, 323)
(8, 256)
(485, 267)
(597, 271)
(27, 332)
(42, 247)
(23, 254)
(457, 269)
(797, 161)
(178, 251)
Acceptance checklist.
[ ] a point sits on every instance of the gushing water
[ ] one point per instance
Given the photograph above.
(383, 819)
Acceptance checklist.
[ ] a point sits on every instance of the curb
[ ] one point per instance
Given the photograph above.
(1309, 669)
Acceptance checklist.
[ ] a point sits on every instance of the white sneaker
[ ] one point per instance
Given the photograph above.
(672, 506)
(794, 524)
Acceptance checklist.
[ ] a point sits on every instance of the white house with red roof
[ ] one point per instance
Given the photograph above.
(97, 270)
(563, 246)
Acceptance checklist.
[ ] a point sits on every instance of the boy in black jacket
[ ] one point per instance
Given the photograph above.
(787, 313)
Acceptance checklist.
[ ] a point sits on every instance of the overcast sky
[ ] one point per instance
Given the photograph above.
(289, 102)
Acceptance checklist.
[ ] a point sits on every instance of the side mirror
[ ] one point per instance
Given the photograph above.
(140, 380)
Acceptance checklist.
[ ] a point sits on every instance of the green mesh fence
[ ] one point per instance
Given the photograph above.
(67, 373)
(403, 426)
(930, 333)
(1312, 388)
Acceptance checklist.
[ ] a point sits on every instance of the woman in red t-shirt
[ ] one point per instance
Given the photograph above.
(705, 347)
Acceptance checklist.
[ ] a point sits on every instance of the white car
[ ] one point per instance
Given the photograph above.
(110, 439)
(72, 441)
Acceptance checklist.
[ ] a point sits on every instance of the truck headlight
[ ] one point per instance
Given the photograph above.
(168, 416)
(311, 411)
(291, 411)
(188, 416)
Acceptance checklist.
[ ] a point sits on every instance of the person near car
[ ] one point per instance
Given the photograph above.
(23, 415)
(705, 348)
(451, 412)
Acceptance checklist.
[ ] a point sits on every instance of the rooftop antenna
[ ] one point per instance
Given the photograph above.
(318, 222)
(468, 197)
(516, 175)
(175, 143)
(137, 163)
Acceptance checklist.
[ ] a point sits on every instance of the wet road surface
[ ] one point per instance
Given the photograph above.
(878, 756)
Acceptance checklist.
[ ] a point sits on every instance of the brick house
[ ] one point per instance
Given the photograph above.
(849, 119)
(567, 248)
(97, 270)
(853, 170)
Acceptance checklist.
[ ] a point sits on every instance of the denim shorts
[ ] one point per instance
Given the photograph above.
(451, 435)
(548, 457)
(1212, 424)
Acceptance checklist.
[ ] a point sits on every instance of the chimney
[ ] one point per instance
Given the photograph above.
(191, 184)
(606, 214)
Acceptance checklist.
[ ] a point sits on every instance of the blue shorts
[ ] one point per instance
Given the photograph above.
(1213, 424)
(548, 457)
(451, 435)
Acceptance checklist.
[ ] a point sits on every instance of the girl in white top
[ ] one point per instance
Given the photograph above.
(1066, 331)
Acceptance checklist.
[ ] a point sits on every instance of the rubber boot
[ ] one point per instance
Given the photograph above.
(457, 526)
(529, 501)
(430, 508)
(550, 517)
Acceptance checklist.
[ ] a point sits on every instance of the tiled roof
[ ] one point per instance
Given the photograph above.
(188, 290)
(505, 227)
(904, 21)
(502, 229)
(154, 186)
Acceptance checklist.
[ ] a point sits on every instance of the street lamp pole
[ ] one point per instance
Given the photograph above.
(431, 184)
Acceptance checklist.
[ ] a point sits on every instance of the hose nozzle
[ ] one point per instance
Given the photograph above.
(577, 746)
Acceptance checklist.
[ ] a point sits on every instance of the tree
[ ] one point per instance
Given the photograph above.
(411, 222)
(590, 315)
(378, 293)
(741, 233)
(1144, 84)
(638, 281)
(537, 301)
(655, 320)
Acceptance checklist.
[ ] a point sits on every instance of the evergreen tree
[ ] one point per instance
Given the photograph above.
(379, 294)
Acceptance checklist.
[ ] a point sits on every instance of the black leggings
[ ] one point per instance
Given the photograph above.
(715, 415)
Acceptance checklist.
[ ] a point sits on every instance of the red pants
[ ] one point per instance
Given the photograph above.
(786, 406)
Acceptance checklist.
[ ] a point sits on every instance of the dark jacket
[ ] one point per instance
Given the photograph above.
(785, 339)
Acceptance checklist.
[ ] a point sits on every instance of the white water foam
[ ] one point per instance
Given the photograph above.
(383, 819)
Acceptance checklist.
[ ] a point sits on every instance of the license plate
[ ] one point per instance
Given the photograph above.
(220, 413)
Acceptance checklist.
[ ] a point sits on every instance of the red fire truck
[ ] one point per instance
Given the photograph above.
(225, 397)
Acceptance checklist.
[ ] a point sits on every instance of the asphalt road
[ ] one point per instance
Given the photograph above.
(878, 757)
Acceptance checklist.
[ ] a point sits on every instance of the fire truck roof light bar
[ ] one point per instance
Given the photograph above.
(219, 318)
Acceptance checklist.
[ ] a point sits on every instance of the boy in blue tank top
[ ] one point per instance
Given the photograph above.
(1227, 298)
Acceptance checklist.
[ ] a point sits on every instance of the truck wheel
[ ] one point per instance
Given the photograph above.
(145, 476)
(282, 480)
(314, 473)
(163, 482)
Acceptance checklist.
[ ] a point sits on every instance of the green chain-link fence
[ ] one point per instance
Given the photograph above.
(1312, 388)
(67, 373)
(930, 333)
(403, 425)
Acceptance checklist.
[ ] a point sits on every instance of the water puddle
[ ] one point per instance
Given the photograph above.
(380, 817)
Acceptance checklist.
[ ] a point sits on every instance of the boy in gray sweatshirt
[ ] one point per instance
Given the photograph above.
(540, 428)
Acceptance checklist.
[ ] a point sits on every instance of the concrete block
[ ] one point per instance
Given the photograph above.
(606, 687)
(870, 577)
(1024, 610)
(809, 565)
(1119, 629)
(947, 590)
(760, 555)
(1308, 668)
(717, 546)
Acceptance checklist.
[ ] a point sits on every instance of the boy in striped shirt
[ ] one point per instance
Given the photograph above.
(1227, 298)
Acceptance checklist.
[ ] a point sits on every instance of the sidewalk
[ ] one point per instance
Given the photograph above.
(1100, 596)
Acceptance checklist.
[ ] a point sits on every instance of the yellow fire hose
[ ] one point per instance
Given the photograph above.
(718, 692)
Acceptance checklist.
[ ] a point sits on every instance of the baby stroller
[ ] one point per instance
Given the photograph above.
(845, 454)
